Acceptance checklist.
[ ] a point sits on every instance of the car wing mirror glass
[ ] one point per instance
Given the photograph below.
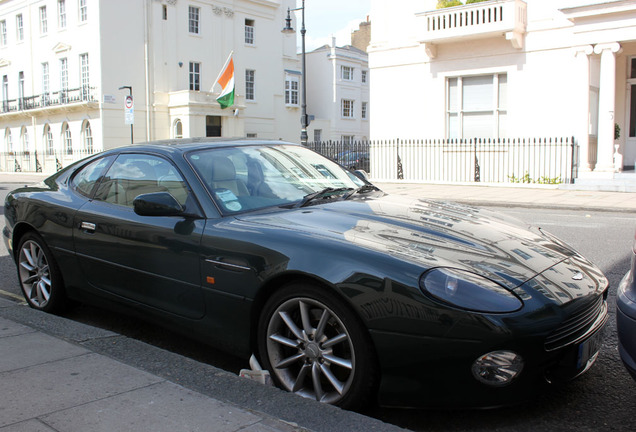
(157, 204)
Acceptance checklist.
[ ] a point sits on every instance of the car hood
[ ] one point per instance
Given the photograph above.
(430, 234)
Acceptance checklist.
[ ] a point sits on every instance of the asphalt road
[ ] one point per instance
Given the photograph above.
(603, 399)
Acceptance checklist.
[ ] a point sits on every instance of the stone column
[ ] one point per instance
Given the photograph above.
(582, 102)
(606, 104)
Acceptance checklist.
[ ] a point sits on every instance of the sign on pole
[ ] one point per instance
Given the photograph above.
(129, 108)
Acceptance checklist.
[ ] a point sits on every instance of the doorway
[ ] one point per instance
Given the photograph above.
(629, 153)
(212, 126)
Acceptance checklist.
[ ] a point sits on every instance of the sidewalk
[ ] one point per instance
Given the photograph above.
(58, 375)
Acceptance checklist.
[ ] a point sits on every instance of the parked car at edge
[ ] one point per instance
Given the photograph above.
(347, 295)
(626, 316)
(354, 160)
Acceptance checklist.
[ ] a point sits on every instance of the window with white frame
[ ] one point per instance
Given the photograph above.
(346, 73)
(66, 139)
(347, 139)
(46, 91)
(249, 31)
(195, 76)
(21, 90)
(476, 106)
(19, 27)
(291, 90)
(250, 82)
(48, 140)
(317, 135)
(87, 137)
(5, 93)
(365, 110)
(24, 139)
(44, 26)
(61, 13)
(63, 79)
(84, 77)
(193, 19)
(346, 108)
(83, 11)
(3, 33)
(363, 76)
(177, 129)
(8, 140)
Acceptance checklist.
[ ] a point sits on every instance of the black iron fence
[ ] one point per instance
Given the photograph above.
(509, 160)
(33, 161)
(62, 97)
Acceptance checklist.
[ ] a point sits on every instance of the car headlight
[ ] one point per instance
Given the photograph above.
(468, 291)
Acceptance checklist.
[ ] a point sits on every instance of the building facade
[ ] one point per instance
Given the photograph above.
(338, 97)
(67, 66)
(509, 69)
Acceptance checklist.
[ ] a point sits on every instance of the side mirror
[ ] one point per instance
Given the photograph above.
(157, 204)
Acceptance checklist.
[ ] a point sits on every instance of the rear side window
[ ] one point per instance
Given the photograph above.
(84, 181)
(132, 175)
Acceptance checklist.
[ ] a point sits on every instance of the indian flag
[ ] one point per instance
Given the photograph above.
(226, 81)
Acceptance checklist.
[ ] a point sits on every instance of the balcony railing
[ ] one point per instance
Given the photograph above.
(63, 97)
(492, 18)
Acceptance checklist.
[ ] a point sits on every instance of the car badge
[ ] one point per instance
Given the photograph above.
(577, 276)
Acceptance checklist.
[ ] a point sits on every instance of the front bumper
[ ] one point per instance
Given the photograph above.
(436, 372)
(626, 325)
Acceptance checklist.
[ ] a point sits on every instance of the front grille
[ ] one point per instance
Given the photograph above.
(576, 326)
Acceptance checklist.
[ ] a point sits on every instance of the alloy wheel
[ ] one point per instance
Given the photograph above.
(34, 272)
(310, 350)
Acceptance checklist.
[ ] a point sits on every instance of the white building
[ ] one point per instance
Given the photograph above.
(508, 69)
(338, 94)
(63, 63)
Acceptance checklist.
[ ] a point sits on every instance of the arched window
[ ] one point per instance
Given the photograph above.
(87, 137)
(66, 139)
(47, 136)
(178, 129)
(24, 139)
(8, 140)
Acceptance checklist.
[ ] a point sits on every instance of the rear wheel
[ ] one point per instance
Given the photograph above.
(313, 345)
(39, 276)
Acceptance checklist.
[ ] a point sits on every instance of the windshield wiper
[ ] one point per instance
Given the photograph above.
(362, 189)
(325, 193)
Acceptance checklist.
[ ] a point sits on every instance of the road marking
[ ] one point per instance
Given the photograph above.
(13, 296)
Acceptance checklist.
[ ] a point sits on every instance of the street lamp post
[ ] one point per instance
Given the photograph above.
(304, 119)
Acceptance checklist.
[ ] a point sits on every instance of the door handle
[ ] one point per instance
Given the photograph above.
(88, 226)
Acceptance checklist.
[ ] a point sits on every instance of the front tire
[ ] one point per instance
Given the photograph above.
(39, 275)
(313, 345)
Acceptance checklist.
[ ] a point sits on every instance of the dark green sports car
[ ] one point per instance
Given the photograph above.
(347, 295)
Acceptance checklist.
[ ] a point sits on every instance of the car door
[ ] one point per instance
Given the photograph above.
(152, 260)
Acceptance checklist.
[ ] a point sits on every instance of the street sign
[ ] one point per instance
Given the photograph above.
(129, 112)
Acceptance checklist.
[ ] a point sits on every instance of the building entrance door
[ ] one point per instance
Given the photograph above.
(629, 153)
(212, 126)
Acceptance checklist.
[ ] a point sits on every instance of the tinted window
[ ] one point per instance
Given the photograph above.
(132, 175)
(84, 181)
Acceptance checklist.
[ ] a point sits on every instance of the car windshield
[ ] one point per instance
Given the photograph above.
(246, 178)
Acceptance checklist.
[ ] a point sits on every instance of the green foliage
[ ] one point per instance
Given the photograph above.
(617, 131)
(541, 180)
(448, 3)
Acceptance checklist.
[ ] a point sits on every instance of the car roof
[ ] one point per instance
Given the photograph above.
(188, 144)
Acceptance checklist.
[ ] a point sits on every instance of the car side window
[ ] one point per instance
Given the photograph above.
(132, 175)
(84, 181)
